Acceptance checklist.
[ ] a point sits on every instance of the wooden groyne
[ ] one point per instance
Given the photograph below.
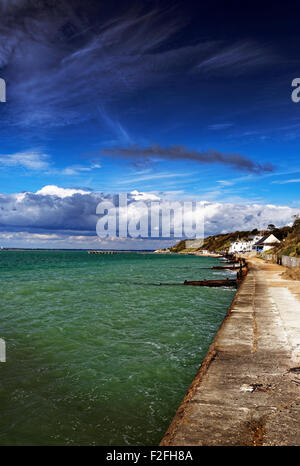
(231, 264)
(225, 267)
(247, 390)
(212, 283)
(241, 269)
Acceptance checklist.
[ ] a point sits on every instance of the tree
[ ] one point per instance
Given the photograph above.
(296, 223)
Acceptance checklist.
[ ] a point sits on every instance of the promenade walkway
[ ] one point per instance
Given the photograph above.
(247, 390)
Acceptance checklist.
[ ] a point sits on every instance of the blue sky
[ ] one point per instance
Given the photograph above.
(190, 101)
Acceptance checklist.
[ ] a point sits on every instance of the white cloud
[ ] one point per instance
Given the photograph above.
(66, 217)
(53, 190)
(139, 196)
(223, 218)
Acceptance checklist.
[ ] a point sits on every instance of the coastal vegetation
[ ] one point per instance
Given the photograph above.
(291, 243)
(291, 273)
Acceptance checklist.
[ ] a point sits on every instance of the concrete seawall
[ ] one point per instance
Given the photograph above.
(247, 390)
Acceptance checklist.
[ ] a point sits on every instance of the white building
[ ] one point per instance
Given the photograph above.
(241, 246)
(266, 243)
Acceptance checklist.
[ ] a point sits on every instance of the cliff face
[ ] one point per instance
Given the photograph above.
(178, 247)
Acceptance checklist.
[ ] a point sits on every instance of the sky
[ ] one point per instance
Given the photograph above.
(179, 100)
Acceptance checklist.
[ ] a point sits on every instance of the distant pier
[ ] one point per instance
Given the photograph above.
(102, 252)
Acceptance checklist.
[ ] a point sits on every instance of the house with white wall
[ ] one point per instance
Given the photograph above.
(241, 246)
(266, 243)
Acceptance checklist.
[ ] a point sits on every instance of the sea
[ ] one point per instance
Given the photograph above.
(101, 349)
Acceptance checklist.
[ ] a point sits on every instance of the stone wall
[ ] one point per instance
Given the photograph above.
(289, 261)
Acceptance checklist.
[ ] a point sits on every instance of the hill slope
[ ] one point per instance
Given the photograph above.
(289, 237)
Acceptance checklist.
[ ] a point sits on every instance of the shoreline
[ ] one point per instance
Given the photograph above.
(243, 393)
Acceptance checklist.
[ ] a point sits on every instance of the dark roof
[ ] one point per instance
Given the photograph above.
(264, 238)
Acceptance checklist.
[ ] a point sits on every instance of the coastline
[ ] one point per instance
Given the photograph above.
(243, 393)
(188, 253)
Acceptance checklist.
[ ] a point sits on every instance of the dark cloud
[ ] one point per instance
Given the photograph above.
(68, 211)
(178, 152)
(35, 213)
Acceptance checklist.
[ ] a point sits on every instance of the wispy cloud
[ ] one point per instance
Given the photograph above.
(238, 58)
(65, 81)
(152, 177)
(114, 125)
(77, 169)
(225, 182)
(220, 126)
(31, 159)
(38, 160)
(295, 180)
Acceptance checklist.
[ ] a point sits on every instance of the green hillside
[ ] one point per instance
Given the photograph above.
(289, 237)
(290, 245)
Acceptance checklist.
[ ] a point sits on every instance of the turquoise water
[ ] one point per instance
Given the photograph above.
(97, 353)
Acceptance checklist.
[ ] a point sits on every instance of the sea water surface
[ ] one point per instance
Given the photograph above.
(98, 352)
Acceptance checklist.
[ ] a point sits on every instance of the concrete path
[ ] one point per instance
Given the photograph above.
(247, 390)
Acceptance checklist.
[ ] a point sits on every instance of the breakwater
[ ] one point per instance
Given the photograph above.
(247, 390)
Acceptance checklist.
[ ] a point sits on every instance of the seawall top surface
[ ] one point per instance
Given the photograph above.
(247, 390)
